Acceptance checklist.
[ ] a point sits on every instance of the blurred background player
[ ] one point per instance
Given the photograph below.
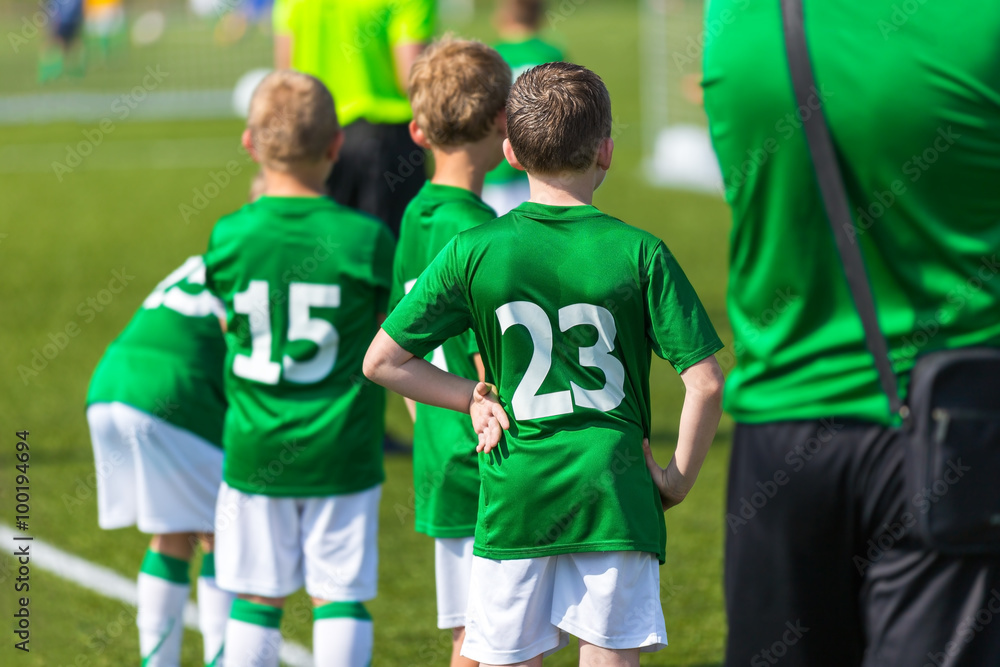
(363, 51)
(105, 22)
(570, 526)
(458, 90)
(156, 408)
(63, 51)
(305, 282)
(519, 23)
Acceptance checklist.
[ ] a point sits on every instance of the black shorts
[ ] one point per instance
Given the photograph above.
(823, 567)
(67, 18)
(379, 171)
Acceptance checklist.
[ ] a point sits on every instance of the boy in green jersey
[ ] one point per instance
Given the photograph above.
(305, 282)
(567, 304)
(155, 408)
(519, 23)
(458, 90)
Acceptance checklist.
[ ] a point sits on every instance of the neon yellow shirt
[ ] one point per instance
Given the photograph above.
(348, 45)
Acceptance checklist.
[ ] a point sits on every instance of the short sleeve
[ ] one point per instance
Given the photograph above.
(436, 309)
(412, 21)
(679, 328)
(382, 268)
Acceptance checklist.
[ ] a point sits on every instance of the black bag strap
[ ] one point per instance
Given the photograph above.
(831, 185)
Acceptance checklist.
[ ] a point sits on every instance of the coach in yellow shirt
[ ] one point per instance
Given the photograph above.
(363, 51)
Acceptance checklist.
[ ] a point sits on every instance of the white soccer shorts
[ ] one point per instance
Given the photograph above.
(152, 473)
(526, 607)
(452, 572)
(272, 546)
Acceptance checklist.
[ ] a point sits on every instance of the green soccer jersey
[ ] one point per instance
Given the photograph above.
(913, 103)
(521, 56)
(348, 45)
(567, 304)
(168, 361)
(445, 463)
(303, 280)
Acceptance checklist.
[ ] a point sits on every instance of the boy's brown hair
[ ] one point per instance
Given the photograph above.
(457, 88)
(557, 116)
(523, 12)
(292, 120)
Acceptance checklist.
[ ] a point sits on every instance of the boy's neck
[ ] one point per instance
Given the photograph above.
(574, 189)
(300, 183)
(517, 32)
(460, 167)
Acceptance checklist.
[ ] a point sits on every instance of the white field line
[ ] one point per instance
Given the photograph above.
(112, 585)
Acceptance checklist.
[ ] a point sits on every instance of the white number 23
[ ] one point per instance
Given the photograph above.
(526, 402)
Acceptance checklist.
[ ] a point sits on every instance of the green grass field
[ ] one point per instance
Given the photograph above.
(63, 235)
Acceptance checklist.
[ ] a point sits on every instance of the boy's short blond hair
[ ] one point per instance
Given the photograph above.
(292, 120)
(457, 88)
(523, 12)
(557, 116)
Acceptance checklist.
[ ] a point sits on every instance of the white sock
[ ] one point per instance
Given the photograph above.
(214, 605)
(163, 592)
(253, 635)
(343, 635)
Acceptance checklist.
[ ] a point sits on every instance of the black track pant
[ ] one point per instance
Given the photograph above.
(823, 567)
(379, 171)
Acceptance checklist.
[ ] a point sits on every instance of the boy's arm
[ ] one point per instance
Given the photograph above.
(700, 417)
(391, 366)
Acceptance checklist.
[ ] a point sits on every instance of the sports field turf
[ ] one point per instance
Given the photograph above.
(119, 211)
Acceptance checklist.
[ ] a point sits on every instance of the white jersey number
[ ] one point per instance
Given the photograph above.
(526, 402)
(302, 297)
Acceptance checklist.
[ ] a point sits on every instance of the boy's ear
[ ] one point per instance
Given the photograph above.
(508, 153)
(333, 150)
(247, 142)
(604, 153)
(418, 136)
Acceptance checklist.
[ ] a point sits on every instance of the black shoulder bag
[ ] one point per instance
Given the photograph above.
(951, 421)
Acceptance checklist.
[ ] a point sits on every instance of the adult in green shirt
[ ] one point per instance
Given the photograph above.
(912, 96)
(363, 51)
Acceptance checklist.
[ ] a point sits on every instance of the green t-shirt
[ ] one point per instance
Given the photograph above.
(348, 45)
(567, 304)
(168, 361)
(912, 103)
(521, 56)
(445, 463)
(303, 280)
